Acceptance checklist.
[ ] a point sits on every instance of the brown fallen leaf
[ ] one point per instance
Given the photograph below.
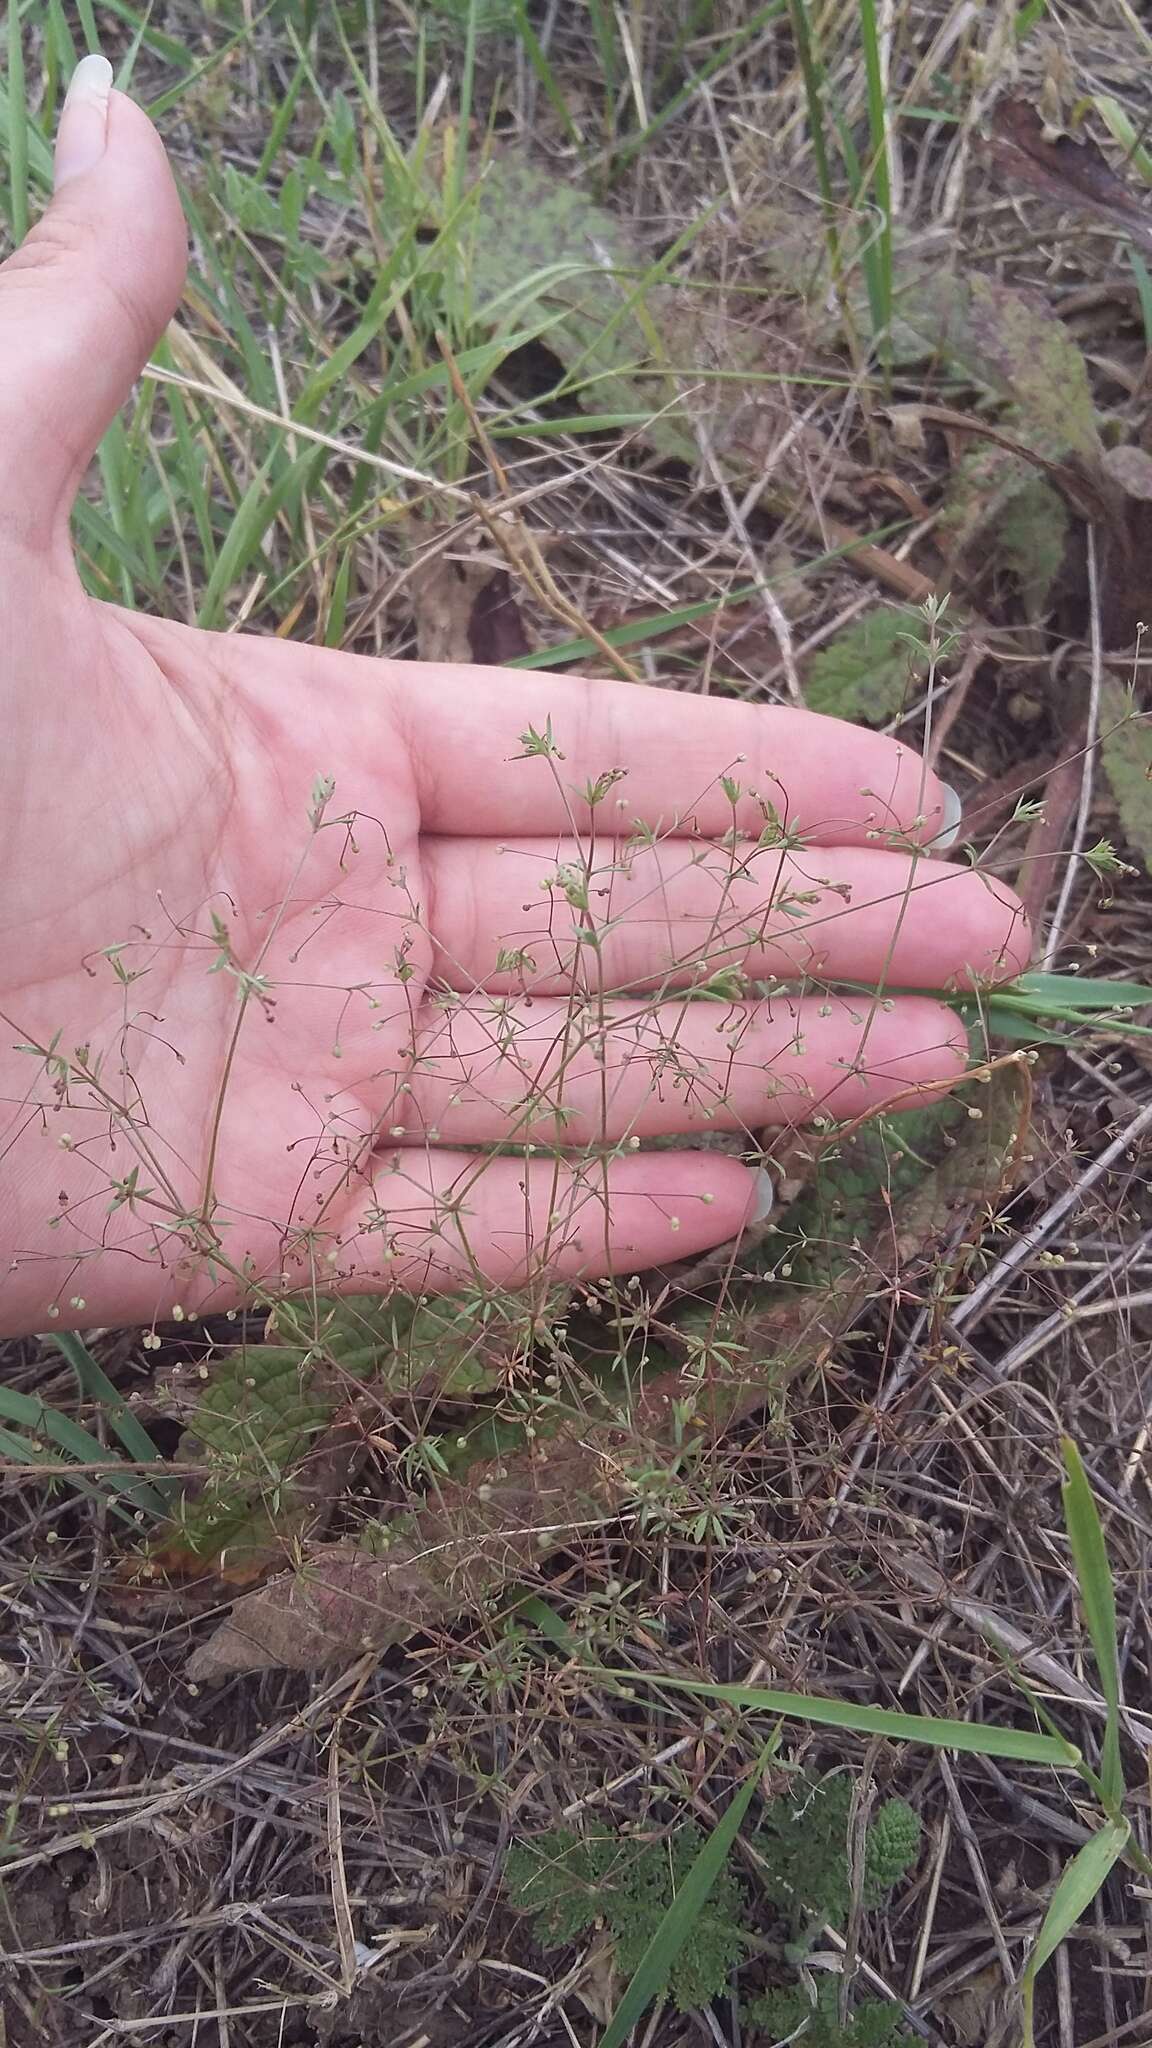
(1077, 174)
(972, 2011)
(884, 1202)
(1126, 601)
(480, 1533)
(444, 591)
(496, 633)
(1085, 486)
(699, 375)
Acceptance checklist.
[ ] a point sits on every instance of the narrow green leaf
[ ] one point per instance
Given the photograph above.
(636, 633)
(1027, 18)
(95, 1385)
(636, 144)
(539, 1614)
(540, 65)
(260, 506)
(173, 52)
(1143, 281)
(1122, 130)
(36, 1416)
(1076, 992)
(1098, 1599)
(17, 127)
(42, 1422)
(1081, 1880)
(88, 24)
(1126, 752)
(877, 188)
(281, 122)
(1001, 1020)
(640, 630)
(14, 116)
(1024, 1744)
(178, 53)
(656, 1964)
(19, 1450)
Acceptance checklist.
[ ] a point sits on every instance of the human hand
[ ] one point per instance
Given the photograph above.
(287, 931)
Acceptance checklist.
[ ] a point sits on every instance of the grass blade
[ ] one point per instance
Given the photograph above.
(1081, 1880)
(88, 24)
(40, 1421)
(1027, 18)
(17, 129)
(655, 1965)
(95, 1385)
(1123, 131)
(636, 632)
(1024, 1744)
(879, 183)
(636, 144)
(640, 630)
(1098, 1599)
(535, 54)
(812, 73)
(20, 1452)
(1075, 992)
(1144, 290)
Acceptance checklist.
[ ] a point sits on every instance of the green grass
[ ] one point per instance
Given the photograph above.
(44, 1438)
(314, 419)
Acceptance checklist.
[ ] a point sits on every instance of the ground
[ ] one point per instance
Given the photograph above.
(316, 1857)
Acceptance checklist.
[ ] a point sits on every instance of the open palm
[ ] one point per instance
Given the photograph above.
(293, 939)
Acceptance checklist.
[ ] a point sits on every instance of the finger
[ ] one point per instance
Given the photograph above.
(547, 915)
(444, 1220)
(479, 772)
(84, 297)
(564, 1073)
(410, 1219)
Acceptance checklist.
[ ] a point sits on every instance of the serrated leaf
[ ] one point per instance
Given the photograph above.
(697, 1913)
(883, 1199)
(259, 1410)
(424, 1570)
(864, 672)
(1009, 343)
(1004, 341)
(664, 353)
(995, 498)
(1126, 751)
(251, 1427)
(438, 1344)
(886, 1193)
(262, 1414)
(541, 244)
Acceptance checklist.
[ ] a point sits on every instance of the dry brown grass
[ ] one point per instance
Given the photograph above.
(281, 1864)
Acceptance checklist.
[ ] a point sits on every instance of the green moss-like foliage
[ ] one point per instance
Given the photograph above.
(804, 1845)
(874, 2024)
(570, 1881)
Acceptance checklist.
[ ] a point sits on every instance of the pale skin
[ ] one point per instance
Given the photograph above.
(374, 843)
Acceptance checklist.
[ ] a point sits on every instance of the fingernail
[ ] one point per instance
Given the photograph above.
(953, 812)
(83, 132)
(764, 1200)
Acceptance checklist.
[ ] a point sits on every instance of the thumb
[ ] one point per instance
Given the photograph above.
(84, 298)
